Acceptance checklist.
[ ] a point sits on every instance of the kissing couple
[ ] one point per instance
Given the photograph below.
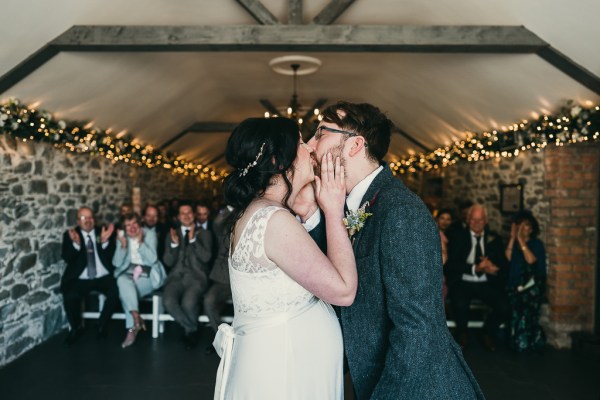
(379, 262)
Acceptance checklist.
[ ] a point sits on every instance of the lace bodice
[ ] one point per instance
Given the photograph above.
(259, 287)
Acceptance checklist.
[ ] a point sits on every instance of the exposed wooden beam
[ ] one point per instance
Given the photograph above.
(26, 67)
(332, 11)
(295, 12)
(334, 38)
(571, 68)
(259, 12)
(269, 106)
(217, 158)
(200, 127)
(410, 138)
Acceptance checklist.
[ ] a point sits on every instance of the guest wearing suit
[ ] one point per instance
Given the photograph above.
(87, 251)
(395, 335)
(187, 252)
(220, 288)
(138, 271)
(476, 269)
(151, 223)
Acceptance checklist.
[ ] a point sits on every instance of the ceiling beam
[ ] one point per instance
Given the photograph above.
(570, 68)
(259, 12)
(295, 12)
(26, 67)
(334, 38)
(200, 127)
(411, 139)
(332, 11)
(269, 106)
(331, 38)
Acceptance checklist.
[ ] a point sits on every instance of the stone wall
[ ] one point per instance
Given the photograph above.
(41, 189)
(480, 182)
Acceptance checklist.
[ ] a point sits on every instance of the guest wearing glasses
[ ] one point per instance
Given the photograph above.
(87, 250)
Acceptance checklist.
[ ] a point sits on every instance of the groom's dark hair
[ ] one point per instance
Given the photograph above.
(367, 121)
(259, 149)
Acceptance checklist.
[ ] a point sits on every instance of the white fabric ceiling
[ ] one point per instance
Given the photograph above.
(433, 97)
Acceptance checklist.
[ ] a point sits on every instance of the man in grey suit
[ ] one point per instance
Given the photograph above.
(187, 252)
(220, 289)
(395, 336)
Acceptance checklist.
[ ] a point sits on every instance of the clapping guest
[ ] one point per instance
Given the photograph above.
(88, 250)
(526, 283)
(138, 271)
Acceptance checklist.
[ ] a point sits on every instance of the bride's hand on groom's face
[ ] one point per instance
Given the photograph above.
(330, 188)
(305, 203)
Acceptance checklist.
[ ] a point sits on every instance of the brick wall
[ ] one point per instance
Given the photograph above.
(571, 187)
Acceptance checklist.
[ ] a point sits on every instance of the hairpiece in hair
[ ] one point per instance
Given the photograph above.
(253, 163)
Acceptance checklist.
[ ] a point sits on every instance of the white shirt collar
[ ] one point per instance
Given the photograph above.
(358, 191)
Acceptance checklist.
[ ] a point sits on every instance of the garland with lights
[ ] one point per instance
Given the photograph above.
(26, 123)
(572, 124)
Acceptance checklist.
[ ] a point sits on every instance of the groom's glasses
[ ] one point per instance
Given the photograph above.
(319, 133)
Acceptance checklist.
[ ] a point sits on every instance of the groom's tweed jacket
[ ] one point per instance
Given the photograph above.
(395, 335)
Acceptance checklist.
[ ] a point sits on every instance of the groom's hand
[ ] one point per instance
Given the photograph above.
(305, 203)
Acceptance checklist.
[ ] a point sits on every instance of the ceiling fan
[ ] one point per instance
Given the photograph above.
(307, 117)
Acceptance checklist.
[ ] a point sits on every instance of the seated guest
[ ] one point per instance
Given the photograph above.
(163, 213)
(87, 251)
(220, 290)
(187, 253)
(151, 223)
(475, 270)
(443, 220)
(138, 271)
(460, 224)
(202, 214)
(526, 283)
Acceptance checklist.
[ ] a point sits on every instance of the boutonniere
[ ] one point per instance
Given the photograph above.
(355, 220)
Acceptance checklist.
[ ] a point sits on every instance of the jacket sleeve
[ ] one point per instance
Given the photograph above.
(411, 276)
(69, 253)
(148, 249)
(457, 259)
(202, 247)
(171, 253)
(121, 259)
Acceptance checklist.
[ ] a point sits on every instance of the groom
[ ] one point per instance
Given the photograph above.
(395, 335)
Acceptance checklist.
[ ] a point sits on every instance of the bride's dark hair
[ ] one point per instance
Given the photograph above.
(259, 149)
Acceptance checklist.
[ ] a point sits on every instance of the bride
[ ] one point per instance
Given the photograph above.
(285, 342)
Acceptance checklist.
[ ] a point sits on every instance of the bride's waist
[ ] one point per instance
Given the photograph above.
(246, 322)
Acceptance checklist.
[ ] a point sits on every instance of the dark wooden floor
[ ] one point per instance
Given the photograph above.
(163, 369)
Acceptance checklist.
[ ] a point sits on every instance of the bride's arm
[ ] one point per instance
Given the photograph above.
(332, 278)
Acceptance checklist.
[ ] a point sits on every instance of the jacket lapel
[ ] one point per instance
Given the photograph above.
(380, 181)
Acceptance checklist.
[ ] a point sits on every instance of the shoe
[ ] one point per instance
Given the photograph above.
(489, 343)
(73, 336)
(130, 337)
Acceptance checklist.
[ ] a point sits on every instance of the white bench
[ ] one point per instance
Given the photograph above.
(157, 317)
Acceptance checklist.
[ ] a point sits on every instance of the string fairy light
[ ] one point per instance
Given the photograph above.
(572, 124)
(24, 123)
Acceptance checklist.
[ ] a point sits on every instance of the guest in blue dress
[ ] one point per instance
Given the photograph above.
(526, 283)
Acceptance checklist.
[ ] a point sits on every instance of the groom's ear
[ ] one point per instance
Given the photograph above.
(358, 144)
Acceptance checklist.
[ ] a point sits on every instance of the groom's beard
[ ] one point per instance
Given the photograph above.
(335, 152)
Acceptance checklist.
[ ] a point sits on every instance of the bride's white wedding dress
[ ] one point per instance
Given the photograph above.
(285, 343)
